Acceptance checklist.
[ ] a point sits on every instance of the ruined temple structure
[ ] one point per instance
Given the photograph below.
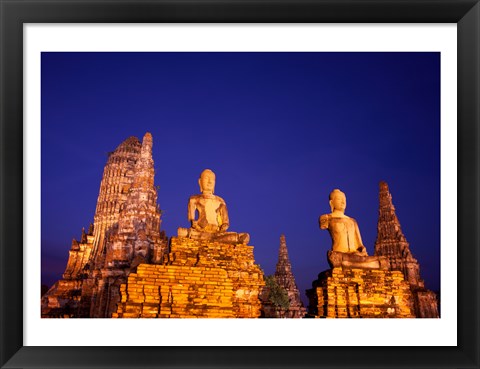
(392, 244)
(125, 233)
(207, 273)
(357, 285)
(285, 279)
(124, 267)
(386, 285)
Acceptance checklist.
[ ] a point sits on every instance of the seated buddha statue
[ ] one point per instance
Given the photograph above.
(208, 215)
(347, 246)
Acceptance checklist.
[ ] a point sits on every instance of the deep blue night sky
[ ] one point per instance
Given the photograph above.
(280, 130)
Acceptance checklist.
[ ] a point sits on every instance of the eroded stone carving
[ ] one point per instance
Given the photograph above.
(208, 215)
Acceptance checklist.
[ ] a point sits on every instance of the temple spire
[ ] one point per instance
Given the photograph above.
(391, 241)
(285, 278)
(140, 210)
(283, 265)
(388, 228)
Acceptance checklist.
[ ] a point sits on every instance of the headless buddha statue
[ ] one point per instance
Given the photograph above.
(347, 246)
(212, 221)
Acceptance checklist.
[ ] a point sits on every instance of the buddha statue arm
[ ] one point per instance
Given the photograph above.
(223, 215)
(192, 207)
(323, 221)
(358, 239)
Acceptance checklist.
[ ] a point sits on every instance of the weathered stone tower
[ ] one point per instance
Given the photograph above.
(126, 232)
(284, 277)
(392, 244)
(118, 176)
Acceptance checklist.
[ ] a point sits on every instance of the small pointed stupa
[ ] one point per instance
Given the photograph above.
(285, 278)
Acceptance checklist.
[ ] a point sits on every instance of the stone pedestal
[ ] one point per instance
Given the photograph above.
(360, 293)
(198, 279)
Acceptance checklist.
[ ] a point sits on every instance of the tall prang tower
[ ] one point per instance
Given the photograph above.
(138, 228)
(125, 233)
(285, 279)
(391, 243)
(118, 176)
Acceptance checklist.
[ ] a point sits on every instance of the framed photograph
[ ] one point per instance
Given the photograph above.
(65, 73)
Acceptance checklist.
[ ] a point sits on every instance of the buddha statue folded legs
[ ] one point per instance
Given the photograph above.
(225, 237)
(353, 260)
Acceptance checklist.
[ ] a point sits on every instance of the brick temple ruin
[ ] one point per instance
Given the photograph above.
(124, 266)
(125, 233)
(386, 285)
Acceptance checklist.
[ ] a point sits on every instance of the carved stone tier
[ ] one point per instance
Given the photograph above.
(79, 255)
(199, 279)
(360, 293)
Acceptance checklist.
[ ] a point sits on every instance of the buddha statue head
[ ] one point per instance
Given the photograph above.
(207, 182)
(338, 201)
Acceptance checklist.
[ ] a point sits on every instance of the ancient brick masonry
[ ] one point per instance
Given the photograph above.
(392, 244)
(358, 285)
(191, 278)
(284, 277)
(199, 279)
(126, 231)
(360, 293)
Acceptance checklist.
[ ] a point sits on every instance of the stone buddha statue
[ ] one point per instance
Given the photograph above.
(208, 215)
(343, 229)
(347, 246)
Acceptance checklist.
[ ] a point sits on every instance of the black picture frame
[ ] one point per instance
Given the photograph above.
(14, 13)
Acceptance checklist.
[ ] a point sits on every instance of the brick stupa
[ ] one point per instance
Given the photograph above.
(392, 244)
(285, 279)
